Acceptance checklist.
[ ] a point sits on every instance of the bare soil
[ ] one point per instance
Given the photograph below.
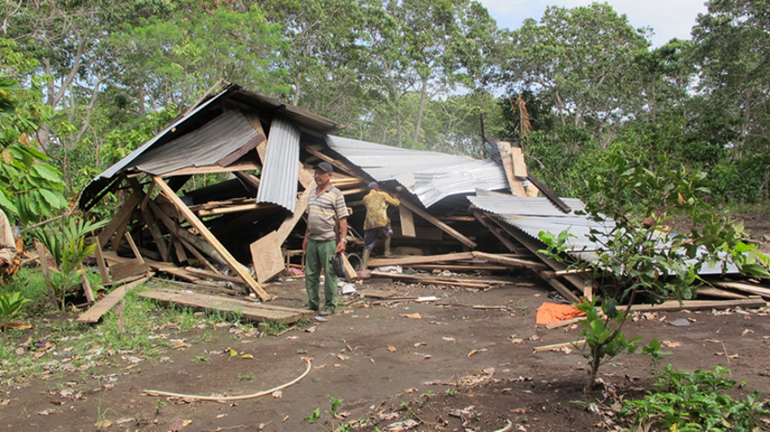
(443, 365)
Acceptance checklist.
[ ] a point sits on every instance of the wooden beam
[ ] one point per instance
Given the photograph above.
(299, 210)
(519, 166)
(128, 269)
(497, 232)
(675, 305)
(350, 272)
(86, 284)
(379, 262)
(340, 165)
(752, 289)
(211, 239)
(517, 188)
(200, 256)
(100, 262)
(212, 169)
(123, 213)
(407, 222)
(510, 262)
(441, 225)
(187, 236)
(134, 249)
(119, 233)
(157, 236)
(103, 306)
(181, 255)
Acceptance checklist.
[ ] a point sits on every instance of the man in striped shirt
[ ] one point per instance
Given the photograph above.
(327, 229)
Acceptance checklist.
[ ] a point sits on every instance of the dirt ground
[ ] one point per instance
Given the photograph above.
(441, 365)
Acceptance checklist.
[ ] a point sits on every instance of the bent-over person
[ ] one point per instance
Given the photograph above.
(376, 221)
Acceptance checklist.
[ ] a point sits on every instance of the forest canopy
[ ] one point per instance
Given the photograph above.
(85, 82)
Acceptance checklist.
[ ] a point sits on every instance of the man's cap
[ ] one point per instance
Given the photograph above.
(324, 167)
(373, 185)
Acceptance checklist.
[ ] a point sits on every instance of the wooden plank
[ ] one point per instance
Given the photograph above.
(576, 280)
(350, 272)
(675, 305)
(379, 262)
(339, 165)
(134, 249)
(231, 209)
(181, 255)
(100, 262)
(752, 289)
(559, 346)
(157, 237)
(213, 169)
(214, 276)
(127, 269)
(86, 284)
(252, 311)
(115, 245)
(211, 239)
(497, 232)
(517, 188)
(267, 257)
(407, 222)
(519, 166)
(444, 227)
(95, 313)
(187, 236)
(299, 210)
(200, 257)
(123, 214)
(716, 292)
(511, 262)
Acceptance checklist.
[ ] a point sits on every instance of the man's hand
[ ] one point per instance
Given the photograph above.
(304, 244)
(340, 247)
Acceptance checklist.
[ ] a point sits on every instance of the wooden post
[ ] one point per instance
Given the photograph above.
(100, 262)
(441, 225)
(211, 239)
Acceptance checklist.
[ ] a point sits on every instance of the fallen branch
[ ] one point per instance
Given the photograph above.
(507, 427)
(231, 398)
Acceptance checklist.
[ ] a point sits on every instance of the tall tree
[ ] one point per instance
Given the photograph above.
(732, 48)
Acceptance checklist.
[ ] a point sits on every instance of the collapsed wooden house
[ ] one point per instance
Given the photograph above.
(457, 213)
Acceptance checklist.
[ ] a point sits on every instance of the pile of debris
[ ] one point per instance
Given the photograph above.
(457, 213)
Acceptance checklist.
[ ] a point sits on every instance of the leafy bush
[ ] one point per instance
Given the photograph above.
(67, 244)
(694, 401)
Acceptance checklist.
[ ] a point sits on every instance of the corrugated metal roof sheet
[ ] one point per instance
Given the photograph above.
(430, 176)
(278, 183)
(266, 108)
(204, 146)
(532, 215)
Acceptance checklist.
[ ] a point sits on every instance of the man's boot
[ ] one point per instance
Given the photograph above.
(387, 246)
(365, 259)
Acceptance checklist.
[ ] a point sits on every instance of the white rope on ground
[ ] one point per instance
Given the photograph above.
(507, 427)
(231, 398)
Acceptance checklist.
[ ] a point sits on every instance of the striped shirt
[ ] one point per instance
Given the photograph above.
(322, 212)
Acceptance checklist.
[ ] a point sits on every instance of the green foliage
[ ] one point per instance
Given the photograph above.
(10, 306)
(335, 404)
(66, 242)
(313, 417)
(633, 255)
(694, 401)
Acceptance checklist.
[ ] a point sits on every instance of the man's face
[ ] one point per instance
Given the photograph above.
(322, 178)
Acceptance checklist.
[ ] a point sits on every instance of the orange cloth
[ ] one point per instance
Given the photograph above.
(550, 313)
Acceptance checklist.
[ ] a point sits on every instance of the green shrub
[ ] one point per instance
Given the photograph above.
(695, 401)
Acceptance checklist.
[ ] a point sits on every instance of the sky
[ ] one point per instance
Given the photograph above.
(668, 18)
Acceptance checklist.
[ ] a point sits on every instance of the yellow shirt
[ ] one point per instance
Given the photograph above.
(376, 203)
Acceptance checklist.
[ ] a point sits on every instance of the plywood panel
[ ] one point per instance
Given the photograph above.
(267, 257)
(407, 222)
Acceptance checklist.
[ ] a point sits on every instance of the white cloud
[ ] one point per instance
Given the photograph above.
(668, 18)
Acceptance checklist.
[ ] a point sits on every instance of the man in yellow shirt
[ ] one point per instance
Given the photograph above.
(376, 203)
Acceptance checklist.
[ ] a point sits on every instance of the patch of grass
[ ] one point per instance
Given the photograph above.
(246, 377)
(271, 327)
(200, 359)
(301, 351)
